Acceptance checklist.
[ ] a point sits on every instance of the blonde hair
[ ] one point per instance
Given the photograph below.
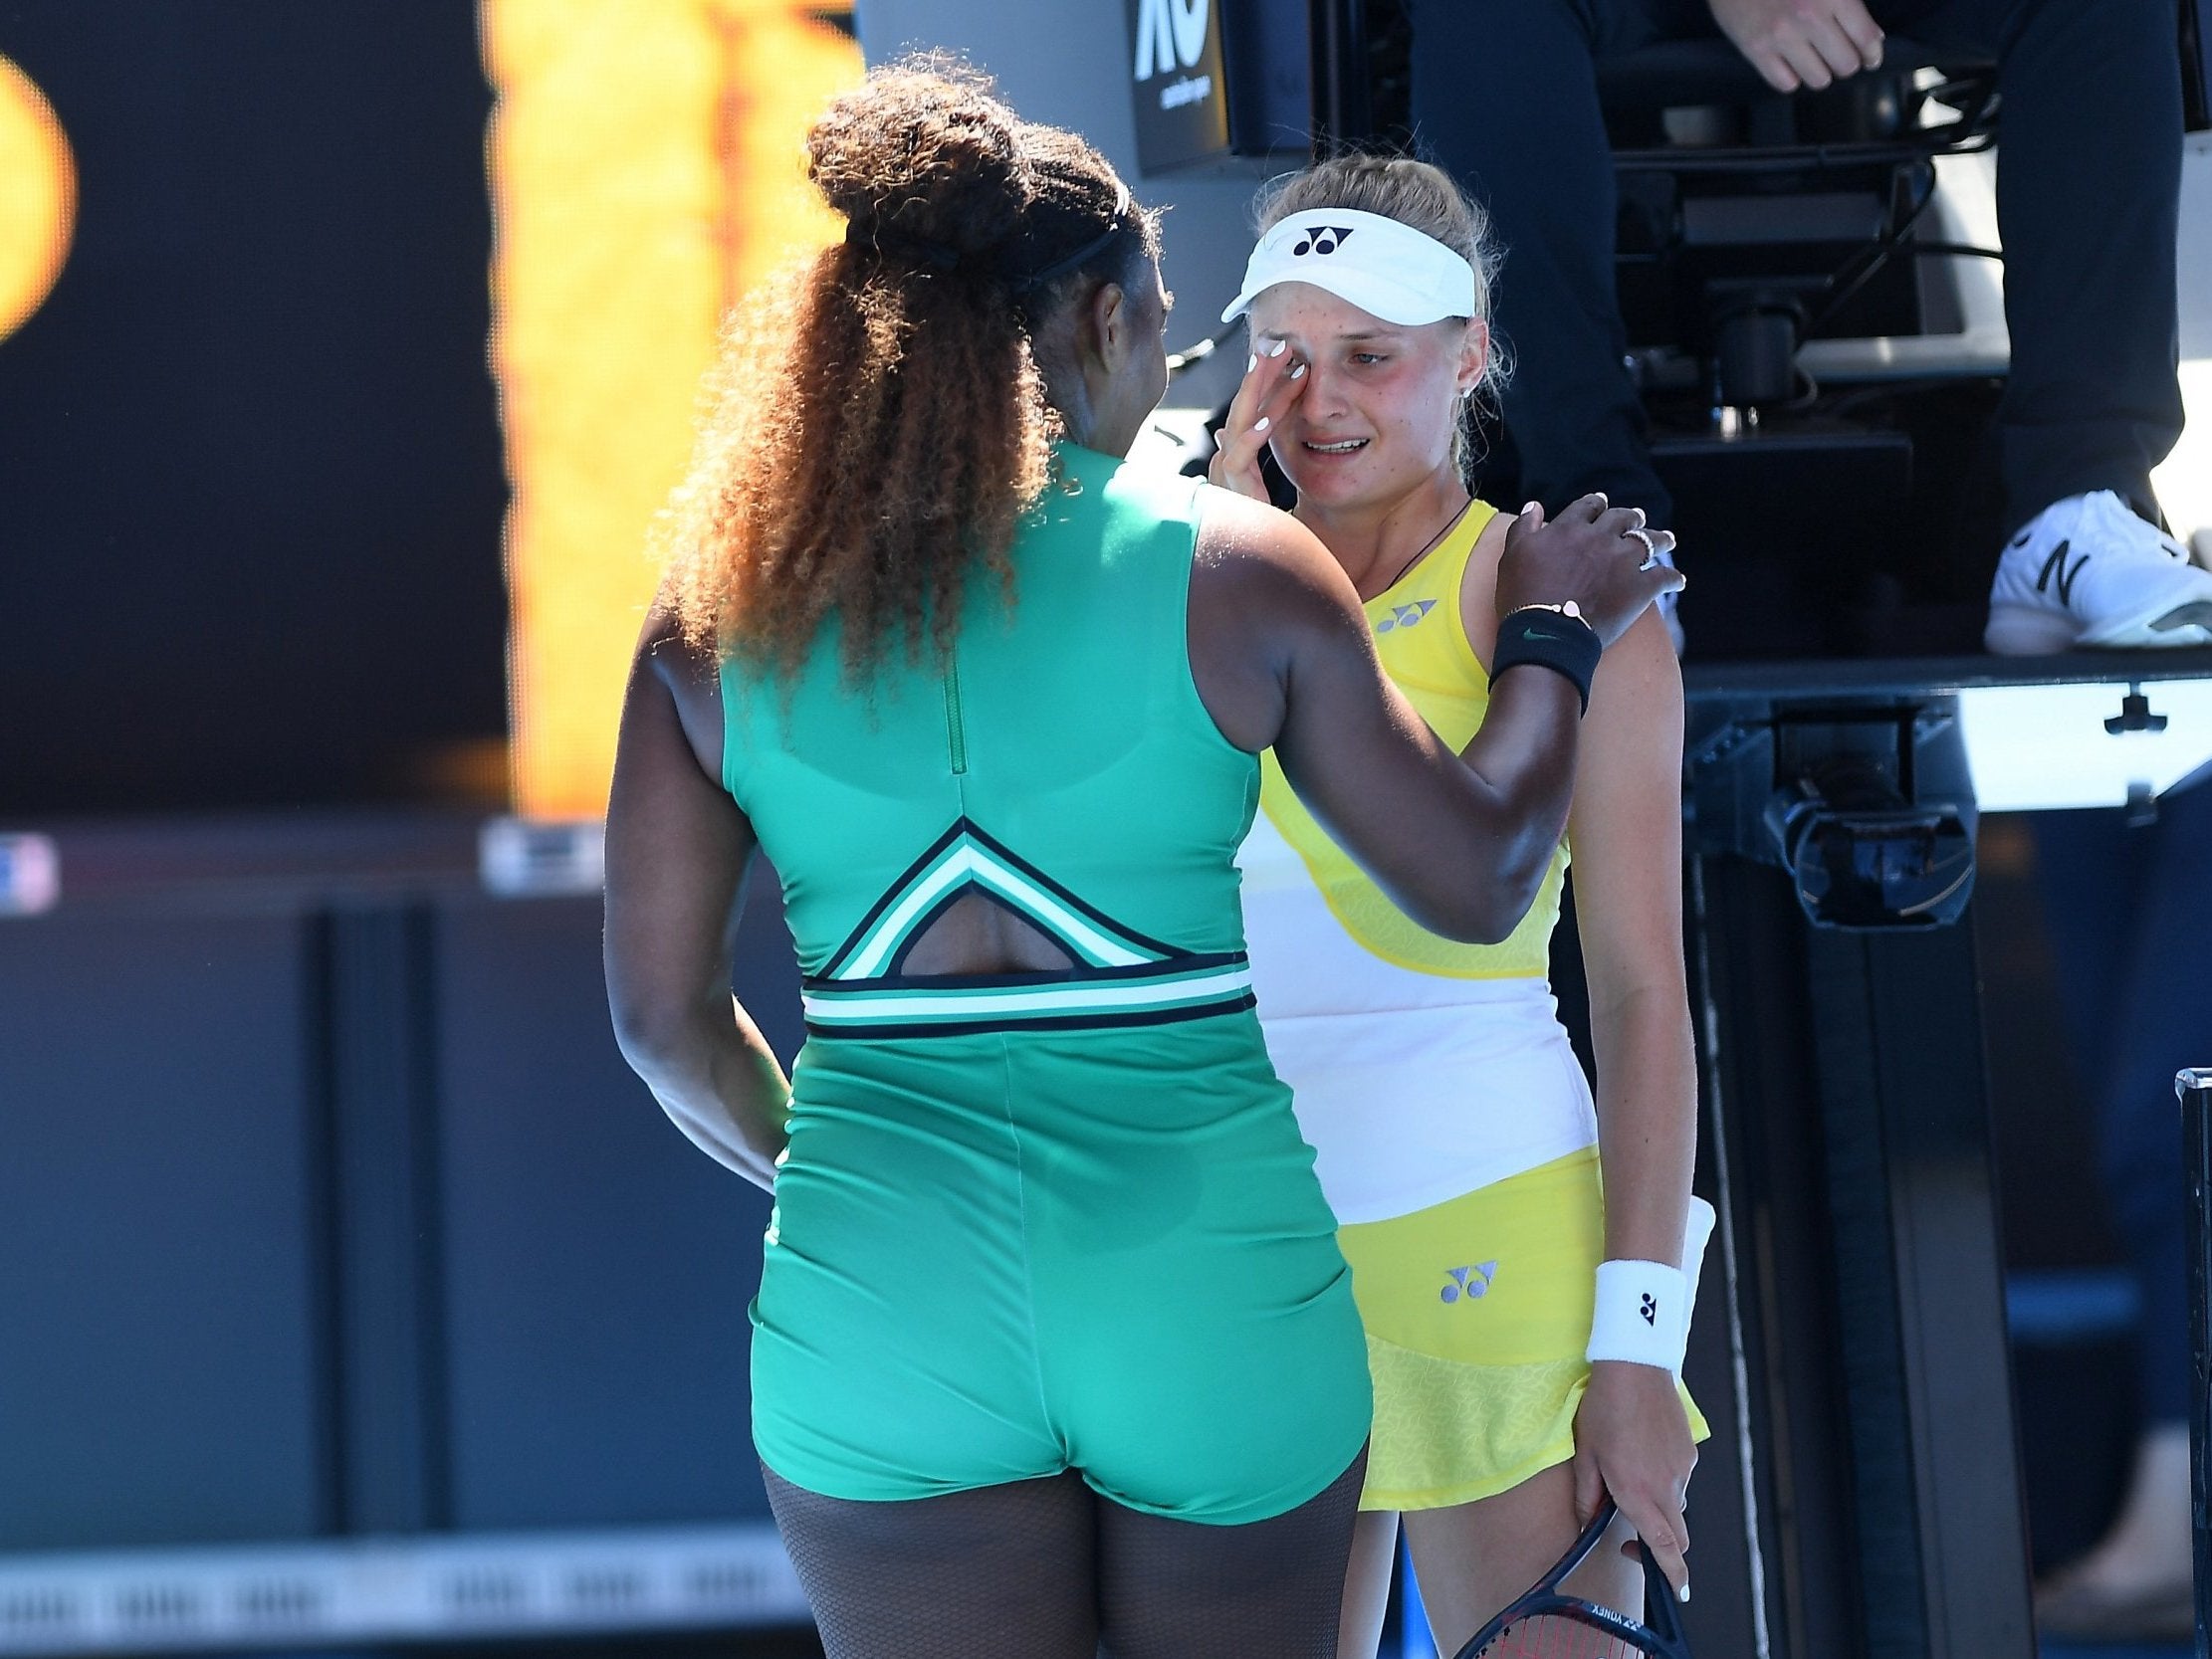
(1424, 197)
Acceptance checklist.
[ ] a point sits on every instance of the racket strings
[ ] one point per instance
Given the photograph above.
(1555, 1636)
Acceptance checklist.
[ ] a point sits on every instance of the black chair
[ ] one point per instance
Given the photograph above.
(1800, 338)
(1758, 231)
(1753, 220)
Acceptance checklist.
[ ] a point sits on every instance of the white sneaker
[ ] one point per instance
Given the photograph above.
(2087, 572)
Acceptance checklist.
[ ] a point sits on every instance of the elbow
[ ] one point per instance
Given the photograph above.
(641, 1049)
(1496, 925)
(1494, 921)
(1463, 917)
(661, 1014)
(1489, 911)
(651, 1036)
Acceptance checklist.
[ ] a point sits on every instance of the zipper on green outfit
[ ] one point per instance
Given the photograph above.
(956, 729)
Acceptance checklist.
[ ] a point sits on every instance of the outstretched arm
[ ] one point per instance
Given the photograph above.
(677, 849)
(1283, 657)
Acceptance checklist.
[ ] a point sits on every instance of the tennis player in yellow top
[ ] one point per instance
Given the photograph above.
(1524, 1331)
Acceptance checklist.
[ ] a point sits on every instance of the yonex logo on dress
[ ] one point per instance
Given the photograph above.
(1405, 616)
(1325, 239)
(1469, 1282)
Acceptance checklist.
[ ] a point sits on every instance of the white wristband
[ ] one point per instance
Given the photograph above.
(1641, 1316)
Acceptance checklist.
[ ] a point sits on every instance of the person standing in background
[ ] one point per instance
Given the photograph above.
(1505, 93)
(2128, 911)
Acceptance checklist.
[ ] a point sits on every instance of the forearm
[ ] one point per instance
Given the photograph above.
(1524, 759)
(721, 1084)
(1647, 1122)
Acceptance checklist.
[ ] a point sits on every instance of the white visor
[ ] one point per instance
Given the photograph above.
(1387, 268)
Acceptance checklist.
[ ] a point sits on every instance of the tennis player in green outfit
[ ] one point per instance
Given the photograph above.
(1055, 1350)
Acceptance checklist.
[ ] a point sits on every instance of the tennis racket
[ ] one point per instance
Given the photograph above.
(1547, 1623)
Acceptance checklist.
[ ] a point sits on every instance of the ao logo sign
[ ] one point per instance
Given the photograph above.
(1171, 34)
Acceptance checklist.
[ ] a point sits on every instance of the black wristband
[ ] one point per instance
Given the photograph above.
(1550, 639)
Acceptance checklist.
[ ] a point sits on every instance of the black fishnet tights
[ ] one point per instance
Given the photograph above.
(1048, 1569)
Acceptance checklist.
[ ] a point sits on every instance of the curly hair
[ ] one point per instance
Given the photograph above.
(879, 424)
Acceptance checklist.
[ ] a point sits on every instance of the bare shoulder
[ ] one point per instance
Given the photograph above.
(1259, 554)
(1639, 671)
(1626, 818)
(691, 674)
(1478, 586)
(1268, 608)
(1634, 730)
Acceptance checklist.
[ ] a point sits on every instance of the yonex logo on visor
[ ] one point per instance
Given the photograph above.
(1389, 269)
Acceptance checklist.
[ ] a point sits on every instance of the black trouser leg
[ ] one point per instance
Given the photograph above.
(2088, 180)
(1505, 95)
(2121, 908)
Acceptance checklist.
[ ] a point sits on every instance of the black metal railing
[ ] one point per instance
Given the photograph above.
(2195, 1089)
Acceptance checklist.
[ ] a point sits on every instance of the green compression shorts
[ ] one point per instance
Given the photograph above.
(994, 1257)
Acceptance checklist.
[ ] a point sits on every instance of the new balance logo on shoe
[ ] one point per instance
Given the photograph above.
(2056, 565)
(1405, 616)
(2090, 571)
(1469, 1282)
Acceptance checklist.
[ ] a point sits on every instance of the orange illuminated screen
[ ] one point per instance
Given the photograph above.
(646, 168)
(38, 197)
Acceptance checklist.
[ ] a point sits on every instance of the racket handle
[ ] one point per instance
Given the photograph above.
(1661, 1612)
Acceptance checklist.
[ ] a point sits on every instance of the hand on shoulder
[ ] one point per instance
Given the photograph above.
(1594, 556)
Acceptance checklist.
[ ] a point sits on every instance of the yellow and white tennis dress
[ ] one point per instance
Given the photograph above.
(1453, 1131)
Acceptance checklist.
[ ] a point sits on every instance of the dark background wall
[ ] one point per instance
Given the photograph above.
(250, 470)
(325, 1216)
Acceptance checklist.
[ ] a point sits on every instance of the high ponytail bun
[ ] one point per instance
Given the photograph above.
(881, 424)
(924, 161)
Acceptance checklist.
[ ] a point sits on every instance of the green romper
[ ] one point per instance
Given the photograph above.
(1034, 1222)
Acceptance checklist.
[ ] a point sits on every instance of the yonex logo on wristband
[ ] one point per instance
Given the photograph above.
(1639, 1313)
